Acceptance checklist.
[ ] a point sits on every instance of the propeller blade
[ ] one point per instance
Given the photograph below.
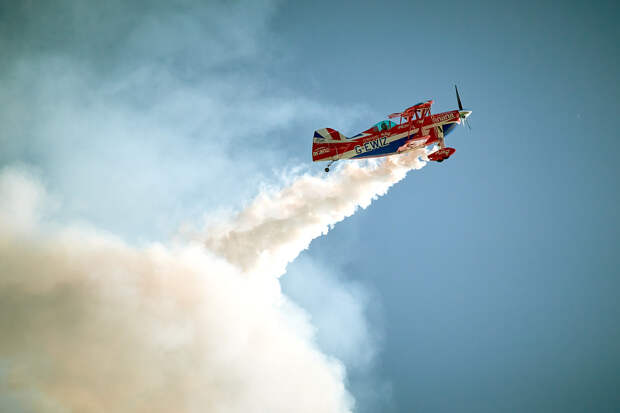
(458, 98)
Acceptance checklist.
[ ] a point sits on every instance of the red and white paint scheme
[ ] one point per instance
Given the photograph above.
(417, 128)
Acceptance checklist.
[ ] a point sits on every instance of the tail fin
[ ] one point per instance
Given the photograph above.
(328, 134)
(324, 144)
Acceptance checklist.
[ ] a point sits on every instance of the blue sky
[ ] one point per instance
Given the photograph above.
(487, 283)
(497, 272)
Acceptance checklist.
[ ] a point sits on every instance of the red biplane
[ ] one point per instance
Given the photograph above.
(417, 128)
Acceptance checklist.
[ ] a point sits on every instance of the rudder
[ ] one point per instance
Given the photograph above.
(328, 134)
(325, 144)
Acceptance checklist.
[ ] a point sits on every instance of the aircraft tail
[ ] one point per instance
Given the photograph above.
(328, 134)
(325, 144)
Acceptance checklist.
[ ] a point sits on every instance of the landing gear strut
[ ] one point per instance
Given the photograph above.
(330, 164)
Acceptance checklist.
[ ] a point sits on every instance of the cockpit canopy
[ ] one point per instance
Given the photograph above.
(384, 125)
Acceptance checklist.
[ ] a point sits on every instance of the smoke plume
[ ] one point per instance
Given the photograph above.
(92, 324)
(277, 226)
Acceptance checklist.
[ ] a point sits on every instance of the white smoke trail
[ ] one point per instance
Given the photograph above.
(276, 227)
(92, 324)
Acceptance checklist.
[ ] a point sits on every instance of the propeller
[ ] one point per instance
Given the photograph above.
(458, 99)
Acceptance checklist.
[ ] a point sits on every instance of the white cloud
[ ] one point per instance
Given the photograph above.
(279, 224)
(96, 325)
(141, 120)
(93, 324)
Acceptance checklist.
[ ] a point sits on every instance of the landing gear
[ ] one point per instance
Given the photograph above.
(330, 164)
(441, 154)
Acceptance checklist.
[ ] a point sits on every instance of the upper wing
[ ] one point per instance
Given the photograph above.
(422, 110)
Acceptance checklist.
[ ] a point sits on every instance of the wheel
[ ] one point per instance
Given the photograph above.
(326, 169)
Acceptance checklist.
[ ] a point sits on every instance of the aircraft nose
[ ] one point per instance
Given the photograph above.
(463, 114)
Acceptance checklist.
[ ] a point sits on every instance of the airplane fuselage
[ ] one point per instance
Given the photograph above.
(393, 140)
